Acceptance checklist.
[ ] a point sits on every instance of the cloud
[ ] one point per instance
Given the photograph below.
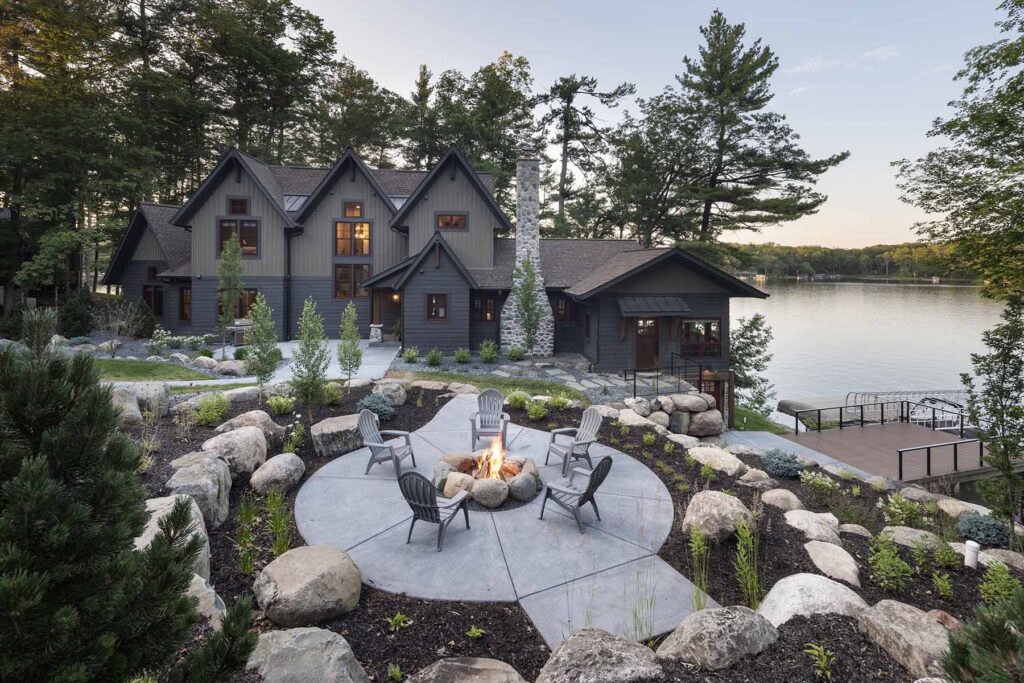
(817, 64)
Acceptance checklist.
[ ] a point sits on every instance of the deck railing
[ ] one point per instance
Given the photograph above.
(882, 412)
(928, 454)
(684, 375)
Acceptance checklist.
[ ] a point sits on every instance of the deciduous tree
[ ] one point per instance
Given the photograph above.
(229, 288)
(350, 356)
(262, 340)
(309, 374)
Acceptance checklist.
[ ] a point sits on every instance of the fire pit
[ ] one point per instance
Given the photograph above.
(491, 476)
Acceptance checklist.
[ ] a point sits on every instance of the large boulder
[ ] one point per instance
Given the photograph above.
(718, 638)
(816, 526)
(708, 423)
(467, 670)
(439, 474)
(255, 418)
(456, 482)
(679, 422)
(716, 514)
(683, 440)
(235, 368)
(204, 362)
(490, 493)
(123, 398)
(718, 459)
(628, 416)
(909, 635)
(153, 397)
(957, 508)
(392, 391)
(606, 411)
(591, 655)
(336, 435)
(523, 487)
(208, 481)
(461, 388)
(808, 594)
(158, 508)
(243, 395)
(210, 604)
(665, 404)
(1008, 557)
(308, 584)
(909, 536)
(833, 561)
(429, 385)
(659, 418)
(783, 499)
(640, 406)
(305, 655)
(279, 473)
(180, 359)
(691, 403)
(243, 449)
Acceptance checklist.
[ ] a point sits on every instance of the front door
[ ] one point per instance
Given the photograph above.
(647, 343)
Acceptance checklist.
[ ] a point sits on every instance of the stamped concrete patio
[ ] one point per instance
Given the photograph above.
(609, 577)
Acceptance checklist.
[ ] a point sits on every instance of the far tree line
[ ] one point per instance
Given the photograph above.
(110, 103)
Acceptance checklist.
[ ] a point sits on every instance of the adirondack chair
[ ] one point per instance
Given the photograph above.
(572, 497)
(489, 420)
(374, 439)
(421, 495)
(578, 447)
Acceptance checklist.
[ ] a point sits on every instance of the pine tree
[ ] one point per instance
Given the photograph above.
(229, 288)
(350, 356)
(309, 374)
(990, 647)
(749, 357)
(79, 602)
(262, 339)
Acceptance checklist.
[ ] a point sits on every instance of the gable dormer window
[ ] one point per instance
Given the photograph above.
(353, 209)
(238, 206)
(452, 221)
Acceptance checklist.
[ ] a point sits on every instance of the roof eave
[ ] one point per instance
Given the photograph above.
(321, 189)
(437, 240)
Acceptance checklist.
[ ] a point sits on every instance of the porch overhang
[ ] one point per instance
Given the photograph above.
(652, 306)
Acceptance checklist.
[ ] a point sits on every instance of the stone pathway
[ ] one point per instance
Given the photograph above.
(609, 577)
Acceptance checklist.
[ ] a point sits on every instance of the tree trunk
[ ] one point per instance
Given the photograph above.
(565, 162)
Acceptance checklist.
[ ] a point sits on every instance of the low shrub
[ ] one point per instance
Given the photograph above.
(144, 320)
(998, 583)
(281, 405)
(536, 410)
(781, 464)
(821, 486)
(205, 351)
(942, 585)
(488, 351)
(378, 404)
(461, 355)
(980, 647)
(212, 408)
(75, 318)
(515, 353)
(295, 439)
(158, 341)
(945, 557)
(332, 394)
(648, 438)
(985, 529)
(434, 358)
(559, 403)
(241, 353)
(410, 354)
(888, 570)
(518, 399)
(900, 511)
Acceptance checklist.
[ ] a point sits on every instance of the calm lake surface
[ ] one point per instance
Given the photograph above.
(835, 337)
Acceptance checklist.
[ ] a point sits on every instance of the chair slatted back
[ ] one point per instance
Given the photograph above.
(590, 425)
(597, 478)
(369, 429)
(490, 402)
(421, 496)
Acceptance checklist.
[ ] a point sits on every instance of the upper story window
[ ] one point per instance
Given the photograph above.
(452, 221)
(437, 306)
(150, 272)
(351, 239)
(248, 231)
(353, 209)
(238, 206)
(701, 338)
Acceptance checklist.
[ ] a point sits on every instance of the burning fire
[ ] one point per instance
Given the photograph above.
(489, 463)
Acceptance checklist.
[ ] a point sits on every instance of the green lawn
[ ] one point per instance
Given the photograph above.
(749, 421)
(506, 385)
(201, 387)
(144, 370)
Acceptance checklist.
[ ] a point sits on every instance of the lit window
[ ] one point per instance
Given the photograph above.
(701, 339)
(353, 209)
(437, 307)
(248, 232)
(185, 303)
(351, 239)
(483, 309)
(348, 277)
(238, 206)
(451, 221)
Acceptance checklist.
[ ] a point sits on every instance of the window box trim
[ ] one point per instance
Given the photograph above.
(352, 237)
(259, 235)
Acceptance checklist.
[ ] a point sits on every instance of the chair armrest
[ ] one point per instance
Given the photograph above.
(454, 500)
(377, 445)
(396, 432)
(582, 471)
(565, 430)
(565, 489)
(506, 417)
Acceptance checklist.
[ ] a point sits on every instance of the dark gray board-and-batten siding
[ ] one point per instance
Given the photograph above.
(436, 277)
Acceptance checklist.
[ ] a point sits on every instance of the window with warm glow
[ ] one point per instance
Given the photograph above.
(238, 206)
(353, 209)
(351, 239)
(451, 221)
(483, 309)
(437, 307)
(701, 338)
(248, 232)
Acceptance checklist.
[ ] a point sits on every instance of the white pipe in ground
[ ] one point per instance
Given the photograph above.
(971, 556)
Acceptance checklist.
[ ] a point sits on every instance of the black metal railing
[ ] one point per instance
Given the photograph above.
(680, 375)
(928, 454)
(883, 412)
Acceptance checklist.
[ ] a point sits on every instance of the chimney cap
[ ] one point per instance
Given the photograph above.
(527, 152)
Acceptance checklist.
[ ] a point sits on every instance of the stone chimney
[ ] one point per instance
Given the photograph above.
(513, 332)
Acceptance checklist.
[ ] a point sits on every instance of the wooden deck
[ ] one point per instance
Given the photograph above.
(872, 448)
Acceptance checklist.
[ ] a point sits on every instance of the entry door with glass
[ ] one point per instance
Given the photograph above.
(647, 343)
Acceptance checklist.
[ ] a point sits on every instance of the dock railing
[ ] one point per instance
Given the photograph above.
(928, 454)
(880, 413)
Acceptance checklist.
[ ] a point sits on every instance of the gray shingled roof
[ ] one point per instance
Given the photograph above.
(563, 262)
(302, 180)
(175, 241)
(602, 272)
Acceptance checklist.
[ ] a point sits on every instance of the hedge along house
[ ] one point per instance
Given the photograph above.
(422, 256)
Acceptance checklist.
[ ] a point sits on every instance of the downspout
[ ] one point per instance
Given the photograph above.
(289, 234)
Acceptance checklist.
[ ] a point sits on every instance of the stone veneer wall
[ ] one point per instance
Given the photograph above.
(528, 247)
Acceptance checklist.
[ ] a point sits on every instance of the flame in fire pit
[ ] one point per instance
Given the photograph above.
(490, 461)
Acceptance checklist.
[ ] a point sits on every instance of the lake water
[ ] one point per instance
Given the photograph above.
(835, 337)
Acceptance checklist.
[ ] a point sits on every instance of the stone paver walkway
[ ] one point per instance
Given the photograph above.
(609, 577)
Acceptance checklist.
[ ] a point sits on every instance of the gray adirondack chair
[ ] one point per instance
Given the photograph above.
(578, 447)
(421, 495)
(572, 497)
(380, 451)
(489, 420)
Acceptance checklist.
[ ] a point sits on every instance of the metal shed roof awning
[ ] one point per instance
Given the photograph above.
(652, 306)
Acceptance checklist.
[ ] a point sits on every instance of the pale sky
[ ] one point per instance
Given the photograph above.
(866, 76)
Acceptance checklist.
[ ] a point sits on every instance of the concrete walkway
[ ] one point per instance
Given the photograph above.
(609, 577)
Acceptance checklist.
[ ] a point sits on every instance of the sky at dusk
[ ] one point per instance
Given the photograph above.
(866, 76)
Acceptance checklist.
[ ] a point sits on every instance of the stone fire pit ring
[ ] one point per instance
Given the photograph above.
(519, 480)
